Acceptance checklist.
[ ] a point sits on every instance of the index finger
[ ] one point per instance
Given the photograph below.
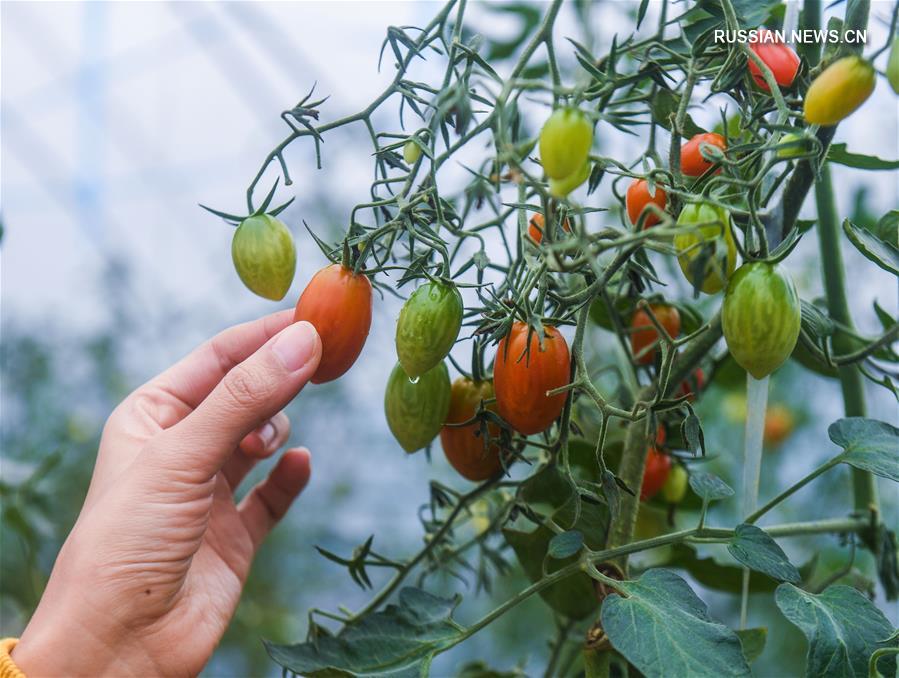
(193, 377)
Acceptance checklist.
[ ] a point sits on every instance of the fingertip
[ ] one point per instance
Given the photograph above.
(293, 470)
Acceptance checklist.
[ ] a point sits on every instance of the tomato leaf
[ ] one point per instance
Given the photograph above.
(691, 429)
(709, 487)
(868, 444)
(400, 640)
(565, 544)
(814, 321)
(752, 547)
(838, 154)
(664, 629)
(842, 626)
(664, 106)
(753, 642)
(881, 253)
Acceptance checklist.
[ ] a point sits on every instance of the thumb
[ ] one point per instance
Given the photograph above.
(250, 393)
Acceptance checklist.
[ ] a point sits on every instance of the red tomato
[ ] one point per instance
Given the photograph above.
(638, 198)
(464, 446)
(692, 384)
(692, 164)
(338, 304)
(658, 466)
(782, 61)
(521, 381)
(644, 333)
(536, 227)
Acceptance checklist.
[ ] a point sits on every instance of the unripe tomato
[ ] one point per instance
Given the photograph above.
(707, 253)
(411, 152)
(760, 317)
(464, 446)
(780, 59)
(521, 381)
(560, 188)
(675, 488)
(840, 89)
(565, 142)
(264, 256)
(692, 164)
(637, 199)
(658, 466)
(893, 66)
(779, 424)
(428, 325)
(536, 227)
(416, 409)
(691, 385)
(793, 145)
(644, 333)
(337, 302)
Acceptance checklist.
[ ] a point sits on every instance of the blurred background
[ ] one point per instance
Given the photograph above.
(119, 118)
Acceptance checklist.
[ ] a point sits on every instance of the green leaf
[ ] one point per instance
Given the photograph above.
(887, 228)
(838, 154)
(691, 430)
(753, 547)
(868, 444)
(718, 576)
(565, 544)
(664, 106)
(881, 253)
(664, 629)
(400, 641)
(753, 642)
(709, 487)
(842, 626)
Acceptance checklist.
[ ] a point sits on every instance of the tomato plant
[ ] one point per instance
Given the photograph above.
(839, 90)
(337, 302)
(645, 337)
(692, 385)
(658, 468)
(264, 255)
(468, 448)
(639, 197)
(781, 60)
(707, 253)
(428, 326)
(536, 225)
(694, 155)
(760, 317)
(416, 409)
(524, 370)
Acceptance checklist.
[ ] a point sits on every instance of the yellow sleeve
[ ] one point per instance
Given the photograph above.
(8, 668)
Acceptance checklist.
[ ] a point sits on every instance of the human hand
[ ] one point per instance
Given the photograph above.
(151, 574)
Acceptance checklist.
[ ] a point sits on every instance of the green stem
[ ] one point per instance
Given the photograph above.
(755, 515)
(864, 485)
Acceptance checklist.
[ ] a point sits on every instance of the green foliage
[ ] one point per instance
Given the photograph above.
(756, 550)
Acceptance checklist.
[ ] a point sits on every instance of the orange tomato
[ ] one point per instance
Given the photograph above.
(658, 466)
(779, 424)
(337, 302)
(536, 228)
(692, 164)
(464, 446)
(522, 380)
(638, 197)
(644, 334)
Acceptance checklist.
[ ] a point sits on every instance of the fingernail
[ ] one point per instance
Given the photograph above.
(267, 433)
(296, 345)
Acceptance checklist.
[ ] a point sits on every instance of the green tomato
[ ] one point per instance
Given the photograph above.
(893, 66)
(559, 188)
(264, 256)
(427, 327)
(675, 487)
(416, 409)
(411, 152)
(761, 317)
(792, 145)
(565, 142)
(706, 251)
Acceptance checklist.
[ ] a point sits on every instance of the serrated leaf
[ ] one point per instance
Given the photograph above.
(399, 641)
(664, 629)
(868, 444)
(565, 545)
(753, 642)
(838, 154)
(842, 626)
(873, 248)
(709, 487)
(752, 547)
